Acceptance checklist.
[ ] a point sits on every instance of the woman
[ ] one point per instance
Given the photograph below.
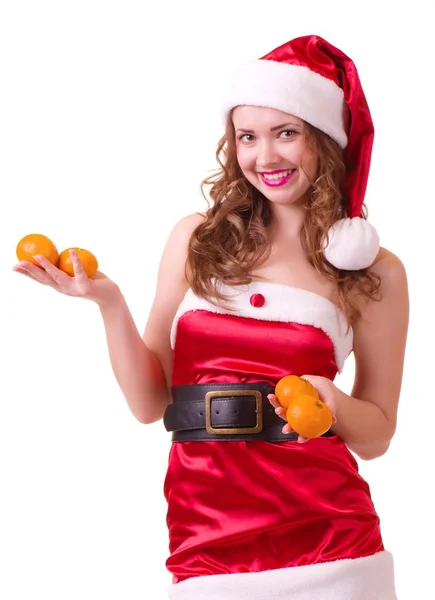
(282, 275)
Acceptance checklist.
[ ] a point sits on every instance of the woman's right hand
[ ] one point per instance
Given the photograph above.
(98, 288)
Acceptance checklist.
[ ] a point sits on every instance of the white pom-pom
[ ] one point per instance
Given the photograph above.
(352, 244)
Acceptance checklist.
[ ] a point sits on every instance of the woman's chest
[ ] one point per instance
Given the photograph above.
(267, 318)
(294, 270)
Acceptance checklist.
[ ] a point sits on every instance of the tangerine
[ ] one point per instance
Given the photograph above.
(290, 387)
(36, 243)
(309, 416)
(87, 259)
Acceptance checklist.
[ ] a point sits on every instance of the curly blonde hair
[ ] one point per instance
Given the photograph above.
(234, 238)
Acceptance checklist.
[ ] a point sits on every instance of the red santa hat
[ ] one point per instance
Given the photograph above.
(311, 79)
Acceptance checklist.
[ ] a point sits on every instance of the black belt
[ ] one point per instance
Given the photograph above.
(225, 412)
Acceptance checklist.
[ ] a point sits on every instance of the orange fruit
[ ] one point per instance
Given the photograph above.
(309, 416)
(88, 260)
(290, 387)
(36, 243)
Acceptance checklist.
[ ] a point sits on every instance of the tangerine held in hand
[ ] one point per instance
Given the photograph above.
(36, 243)
(87, 259)
(290, 387)
(308, 416)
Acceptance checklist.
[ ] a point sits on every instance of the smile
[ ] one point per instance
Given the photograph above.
(277, 179)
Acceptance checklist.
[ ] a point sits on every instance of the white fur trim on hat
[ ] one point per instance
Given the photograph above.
(366, 578)
(353, 244)
(293, 89)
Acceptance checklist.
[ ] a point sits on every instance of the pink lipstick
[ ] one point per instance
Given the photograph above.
(274, 179)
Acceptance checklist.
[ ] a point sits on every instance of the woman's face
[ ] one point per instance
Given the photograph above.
(272, 153)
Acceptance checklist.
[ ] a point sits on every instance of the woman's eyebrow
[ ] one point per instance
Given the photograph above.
(272, 128)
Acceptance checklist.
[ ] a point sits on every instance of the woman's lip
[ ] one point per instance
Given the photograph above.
(273, 172)
(277, 182)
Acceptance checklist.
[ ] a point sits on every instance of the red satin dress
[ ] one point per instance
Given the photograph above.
(251, 514)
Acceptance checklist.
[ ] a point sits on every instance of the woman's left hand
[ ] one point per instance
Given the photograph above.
(327, 392)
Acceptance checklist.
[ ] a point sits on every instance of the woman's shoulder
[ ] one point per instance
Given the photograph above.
(189, 222)
(388, 265)
(392, 280)
(182, 230)
(195, 218)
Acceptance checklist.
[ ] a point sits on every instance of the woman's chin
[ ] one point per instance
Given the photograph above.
(282, 198)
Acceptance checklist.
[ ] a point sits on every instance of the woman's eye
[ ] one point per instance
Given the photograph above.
(287, 133)
(246, 137)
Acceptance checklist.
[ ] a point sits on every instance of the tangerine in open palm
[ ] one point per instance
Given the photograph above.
(86, 257)
(290, 387)
(309, 416)
(33, 244)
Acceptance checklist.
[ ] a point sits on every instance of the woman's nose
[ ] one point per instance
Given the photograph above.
(267, 155)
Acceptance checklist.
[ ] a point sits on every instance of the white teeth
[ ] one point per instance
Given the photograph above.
(277, 176)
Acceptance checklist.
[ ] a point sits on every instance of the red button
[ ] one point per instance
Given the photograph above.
(257, 300)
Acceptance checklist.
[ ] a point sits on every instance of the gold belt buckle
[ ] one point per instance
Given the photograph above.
(234, 430)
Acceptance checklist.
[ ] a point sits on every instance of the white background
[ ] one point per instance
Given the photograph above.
(109, 116)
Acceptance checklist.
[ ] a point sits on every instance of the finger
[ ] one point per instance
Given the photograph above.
(273, 400)
(56, 274)
(281, 412)
(287, 429)
(26, 267)
(313, 379)
(302, 439)
(25, 264)
(323, 389)
(79, 270)
(40, 278)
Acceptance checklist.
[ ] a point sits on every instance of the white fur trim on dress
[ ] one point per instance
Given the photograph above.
(368, 578)
(282, 303)
(294, 89)
(352, 244)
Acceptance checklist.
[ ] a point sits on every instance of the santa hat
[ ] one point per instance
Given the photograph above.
(311, 79)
